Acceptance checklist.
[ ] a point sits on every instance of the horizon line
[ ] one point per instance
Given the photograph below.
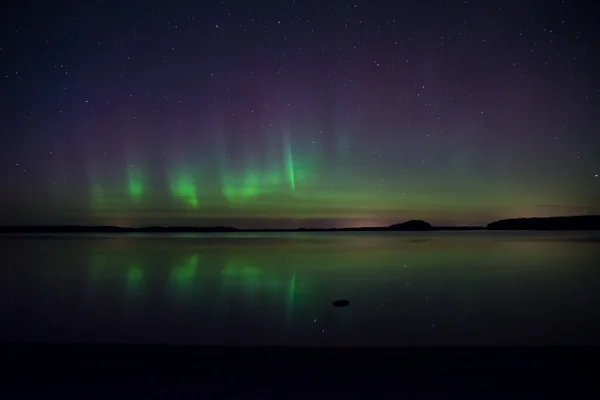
(424, 226)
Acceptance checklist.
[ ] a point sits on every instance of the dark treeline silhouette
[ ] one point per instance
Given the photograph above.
(577, 223)
(586, 222)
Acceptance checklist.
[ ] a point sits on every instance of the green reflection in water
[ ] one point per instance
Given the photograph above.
(292, 289)
(245, 273)
(182, 277)
(248, 276)
(289, 306)
(97, 264)
(254, 277)
(134, 278)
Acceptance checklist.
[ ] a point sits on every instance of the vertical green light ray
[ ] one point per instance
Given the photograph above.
(183, 187)
(289, 165)
(135, 182)
(134, 278)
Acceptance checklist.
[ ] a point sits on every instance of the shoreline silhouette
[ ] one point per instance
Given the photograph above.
(584, 222)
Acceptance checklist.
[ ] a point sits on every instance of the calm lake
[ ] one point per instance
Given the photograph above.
(405, 289)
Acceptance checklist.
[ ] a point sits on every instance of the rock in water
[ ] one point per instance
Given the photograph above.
(341, 303)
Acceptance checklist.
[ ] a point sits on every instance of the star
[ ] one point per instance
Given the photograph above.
(358, 85)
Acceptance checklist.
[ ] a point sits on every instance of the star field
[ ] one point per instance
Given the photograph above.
(298, 113)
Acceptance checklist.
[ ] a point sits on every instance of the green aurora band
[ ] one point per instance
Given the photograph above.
(282, 189)
(136, 185)
(183, 188)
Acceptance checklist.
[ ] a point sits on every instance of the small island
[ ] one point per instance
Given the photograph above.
(412, 225)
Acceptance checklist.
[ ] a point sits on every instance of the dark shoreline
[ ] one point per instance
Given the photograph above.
(176, 229)
(574, 223)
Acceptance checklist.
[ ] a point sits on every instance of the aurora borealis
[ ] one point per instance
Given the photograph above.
(254, 289)
(297, 113)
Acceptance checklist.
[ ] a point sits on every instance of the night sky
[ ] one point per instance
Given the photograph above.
(298, 113)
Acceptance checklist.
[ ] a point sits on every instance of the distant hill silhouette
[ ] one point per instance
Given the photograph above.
(591, 222)
(413, 225)
(576, 223)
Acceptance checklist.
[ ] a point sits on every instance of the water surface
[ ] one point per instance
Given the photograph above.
(405, 289)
